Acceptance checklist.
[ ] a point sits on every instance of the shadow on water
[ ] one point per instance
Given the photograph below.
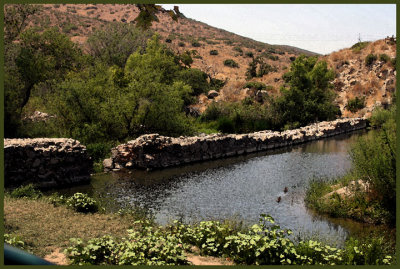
(239, 187)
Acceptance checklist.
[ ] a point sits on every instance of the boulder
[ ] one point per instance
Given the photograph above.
(212, 94)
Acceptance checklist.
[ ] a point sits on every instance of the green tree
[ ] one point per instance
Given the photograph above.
(114, 43)
(35, 59)
(310, 97)
(16, 19)
(105, 103)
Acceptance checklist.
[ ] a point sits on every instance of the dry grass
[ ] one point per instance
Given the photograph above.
(45, 228)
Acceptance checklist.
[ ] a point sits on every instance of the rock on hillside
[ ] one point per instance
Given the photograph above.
(354, 78)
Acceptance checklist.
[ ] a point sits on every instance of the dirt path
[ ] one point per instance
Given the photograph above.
(207, 260)
(59, 258)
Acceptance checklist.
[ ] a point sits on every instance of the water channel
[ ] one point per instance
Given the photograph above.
(239, 188)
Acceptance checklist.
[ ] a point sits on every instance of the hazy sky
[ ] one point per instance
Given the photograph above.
(318, 28)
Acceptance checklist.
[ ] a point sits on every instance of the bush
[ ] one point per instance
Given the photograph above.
(370, 59)
(99, 151)
(273, 58)
(359, 46)
(238, 49)
(81, 202)
(355, 104)
(226, 125)
(181, 44)
(374, 161)
(250, 54)
(255, 85)
(292, 58)
(144, 245)
(231, 63)
(27, 191)
(14, 240)
(393, 62)
(196, 44)
(380, 116)
(310, 96)
(213, 52)
(384, 58)
(168, 40)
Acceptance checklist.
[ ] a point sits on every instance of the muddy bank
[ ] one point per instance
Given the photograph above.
(155, 151)
(46, 162)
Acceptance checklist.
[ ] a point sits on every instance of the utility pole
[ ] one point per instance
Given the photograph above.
(359, 37)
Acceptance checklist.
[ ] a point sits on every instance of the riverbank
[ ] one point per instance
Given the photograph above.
(154, 151)
(368, 192)
(108, 239)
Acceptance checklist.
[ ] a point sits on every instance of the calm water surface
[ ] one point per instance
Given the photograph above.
(239, 188)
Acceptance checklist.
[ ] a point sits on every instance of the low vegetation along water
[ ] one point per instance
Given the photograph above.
(238, 189)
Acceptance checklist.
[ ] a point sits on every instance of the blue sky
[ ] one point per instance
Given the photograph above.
(318, 28)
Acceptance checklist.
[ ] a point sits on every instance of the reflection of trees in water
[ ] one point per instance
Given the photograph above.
(338, 143)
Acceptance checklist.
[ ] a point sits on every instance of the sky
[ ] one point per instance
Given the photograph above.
(319, 28)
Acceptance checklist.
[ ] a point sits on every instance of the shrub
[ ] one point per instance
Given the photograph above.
(374, 161)
(226, 125)
(359, 46)
(14, 240)
(384, 58)
(255, 85)
(67, 28)
(196, 44)
(273, 57)
(168, 40)
(292, 58)
(213, 52)
(231, 63)
(81, 202)
(99, 151)
(380, 116)
(370, 59)
(250, 54)
(181, 44)
(238, 49)
(393, 62)
(145, 245)
(27, 191)
(355, 104)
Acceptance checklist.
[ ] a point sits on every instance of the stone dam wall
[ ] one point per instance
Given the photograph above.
(154, 151)
(45, 162)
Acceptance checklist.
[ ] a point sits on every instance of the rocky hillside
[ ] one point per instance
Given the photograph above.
(213, 46)
(356, 77)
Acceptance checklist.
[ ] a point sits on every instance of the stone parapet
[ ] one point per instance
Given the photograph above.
(45, 162)
(155, 151)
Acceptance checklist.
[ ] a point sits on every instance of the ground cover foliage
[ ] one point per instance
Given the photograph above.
(145, 243)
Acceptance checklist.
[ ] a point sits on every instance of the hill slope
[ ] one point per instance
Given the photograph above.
(354, 78)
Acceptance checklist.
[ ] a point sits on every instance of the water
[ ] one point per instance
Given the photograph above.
(239, 188)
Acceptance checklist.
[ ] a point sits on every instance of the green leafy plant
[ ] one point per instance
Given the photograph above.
(196, 44)
(145, 245)
(26, 191)
(213, 52)
(231, 63)
(370, 59)
(14, 240)
(81, 202)
(255, 85)
(356, 104)
(359, 46)
(384, 58)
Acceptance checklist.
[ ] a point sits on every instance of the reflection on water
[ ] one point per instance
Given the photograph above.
(236, 188)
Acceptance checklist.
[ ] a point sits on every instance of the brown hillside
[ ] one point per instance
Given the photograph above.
(353, 77)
